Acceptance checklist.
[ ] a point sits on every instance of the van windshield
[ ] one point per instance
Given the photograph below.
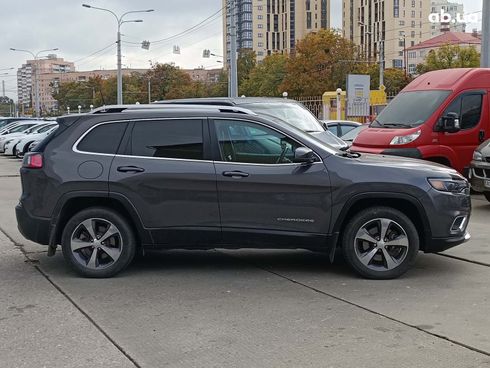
(410, 109)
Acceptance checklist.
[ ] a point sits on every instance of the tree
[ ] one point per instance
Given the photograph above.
(7, 106)
(246, 62)
(320, 63)
(394, 79)
(450, 56)
(266, 78)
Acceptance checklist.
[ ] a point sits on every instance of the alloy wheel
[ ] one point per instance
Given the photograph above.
(96, 243)
(381, 244)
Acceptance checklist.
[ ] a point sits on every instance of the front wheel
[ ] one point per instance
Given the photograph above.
(380, 243)
(98, 242)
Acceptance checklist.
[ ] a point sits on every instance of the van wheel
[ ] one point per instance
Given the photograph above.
(487, 195)
(380, 243)
(98, 242)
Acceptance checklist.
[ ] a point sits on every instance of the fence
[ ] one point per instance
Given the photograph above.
(314, 104)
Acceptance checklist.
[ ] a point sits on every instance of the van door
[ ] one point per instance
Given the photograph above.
(470, 106)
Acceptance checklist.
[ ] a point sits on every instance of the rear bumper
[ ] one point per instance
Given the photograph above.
(436, 245)
(35, 229)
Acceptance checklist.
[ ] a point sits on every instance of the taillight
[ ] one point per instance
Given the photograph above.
(33, 161)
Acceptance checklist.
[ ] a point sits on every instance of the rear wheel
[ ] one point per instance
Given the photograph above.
(98, 242)
(487, 195)
(380, 243)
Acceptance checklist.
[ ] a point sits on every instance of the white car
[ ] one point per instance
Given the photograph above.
(21, 145)
(11, 142)
(17, 131)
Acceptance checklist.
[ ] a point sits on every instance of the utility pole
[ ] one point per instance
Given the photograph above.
(149, 90)
(233, 80)
(120, 22)
(485, 40)
(3, 88)
(381, 63)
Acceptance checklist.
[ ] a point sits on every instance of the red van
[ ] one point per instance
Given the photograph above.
(441, 116)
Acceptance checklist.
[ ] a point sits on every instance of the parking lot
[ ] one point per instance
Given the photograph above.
(241, 308)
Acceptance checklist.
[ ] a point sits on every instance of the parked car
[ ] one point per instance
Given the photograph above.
(105, 184)
(11, 143)
(15, 132)
(6, 121)
(480, 170)
(340, 127)
(352, 135)
(441, 116)
(21, 145)
(284, 111)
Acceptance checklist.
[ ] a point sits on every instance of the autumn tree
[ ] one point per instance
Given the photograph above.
(266, 78)
(320, 63)
(450, 56)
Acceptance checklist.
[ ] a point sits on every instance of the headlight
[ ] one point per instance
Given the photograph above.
(477, 156)
(405, 139)
(449, 185)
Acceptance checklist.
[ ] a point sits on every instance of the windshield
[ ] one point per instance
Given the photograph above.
(352, 134)
(411, 109)
(292, 113)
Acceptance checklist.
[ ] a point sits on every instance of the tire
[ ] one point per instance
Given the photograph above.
(95, 252)
(367, 253)
(487, 195)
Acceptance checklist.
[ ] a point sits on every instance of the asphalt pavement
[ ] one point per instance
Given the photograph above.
(244, 308)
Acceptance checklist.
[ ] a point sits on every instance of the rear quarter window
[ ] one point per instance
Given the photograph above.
(104, 138)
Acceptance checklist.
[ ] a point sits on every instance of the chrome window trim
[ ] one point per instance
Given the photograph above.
(76, 150)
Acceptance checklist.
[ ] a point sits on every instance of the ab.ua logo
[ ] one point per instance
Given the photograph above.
(444, 17)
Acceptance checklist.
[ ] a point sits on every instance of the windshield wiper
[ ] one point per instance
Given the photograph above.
(376, 121)
(401, 125)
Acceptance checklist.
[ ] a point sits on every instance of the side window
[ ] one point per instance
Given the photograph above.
(468, 108)
(332, 129)
(168, 138)
(346, 129)
(104, 138)
(247, 142)
(471, 111)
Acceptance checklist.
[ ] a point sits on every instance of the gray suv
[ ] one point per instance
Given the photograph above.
(130, 178)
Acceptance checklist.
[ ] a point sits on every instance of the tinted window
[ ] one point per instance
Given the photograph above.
(332, 129)
(344, 129)
(103, 139)
(468, 108)
(247, 142)
(168, 138)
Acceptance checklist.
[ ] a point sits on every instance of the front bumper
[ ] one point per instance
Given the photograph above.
(436, 245)
(479, 173)
(32, 228)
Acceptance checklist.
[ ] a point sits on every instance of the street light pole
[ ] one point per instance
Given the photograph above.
(36, 74)
(120, 22)
(485, 39)
(233, 87)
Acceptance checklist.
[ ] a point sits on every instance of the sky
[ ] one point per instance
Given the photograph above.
(87, 36)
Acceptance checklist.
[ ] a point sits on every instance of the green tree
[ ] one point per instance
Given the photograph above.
(246, 62)
(450, 56)
(266, 78)
(320, 63)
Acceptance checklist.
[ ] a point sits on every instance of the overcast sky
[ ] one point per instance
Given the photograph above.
(79, 32)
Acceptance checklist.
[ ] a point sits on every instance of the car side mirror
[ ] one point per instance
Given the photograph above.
(304, 155)
(450, 123)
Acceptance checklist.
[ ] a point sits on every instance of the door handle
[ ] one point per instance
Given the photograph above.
(133, 169)
(481, 136)
(235, 174)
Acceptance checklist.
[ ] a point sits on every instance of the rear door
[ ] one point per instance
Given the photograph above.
(265, 198)
(471, 107)
(164, 173)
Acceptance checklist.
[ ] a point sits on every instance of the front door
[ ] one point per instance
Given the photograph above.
(470, 107)
(164, 174)
(265, 198)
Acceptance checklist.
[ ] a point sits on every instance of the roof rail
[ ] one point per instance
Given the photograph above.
(122, 108)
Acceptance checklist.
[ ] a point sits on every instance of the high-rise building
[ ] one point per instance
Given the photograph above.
(454, 9)
(270, 26)
(391, 25)
(26, 80)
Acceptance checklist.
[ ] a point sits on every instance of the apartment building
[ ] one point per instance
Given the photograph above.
(26, 79)
(452, 8)
(391, 25)
(270, 26)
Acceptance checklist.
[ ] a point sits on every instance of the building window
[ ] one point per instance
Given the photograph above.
(260, 44)
(259, 7)
(260, 35)
(401, 23)
(413, 3)
(308, 20)
(260, 26)
(412, 68)
(260, 16)
(413, 24)
(396, 8)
